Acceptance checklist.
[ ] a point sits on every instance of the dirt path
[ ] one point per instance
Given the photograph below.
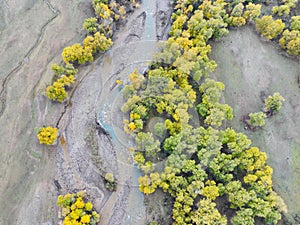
(251, 70)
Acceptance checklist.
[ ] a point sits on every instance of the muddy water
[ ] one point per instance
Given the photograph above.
(251, 70)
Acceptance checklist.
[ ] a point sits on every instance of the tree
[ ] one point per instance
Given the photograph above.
(139, 158)
(159, 129)
(70, 69)
(56, 92)
(97, 43)
(102, 10)
(273, 103)
(210, 191)
(252, 11)
(66, 80)
(90, 25)
(217, 114)
(290, 41)
(146, 185)
(243, 217)
(75, 209)
(208, 214)
(145, 143)
(77, 54)
(136, 79)
(285, 8)
(295, 23)
(47, 135)
(237, 21)
(268, 27)
(58, 70)
(237, 10)
(257, 119)
(253, 159)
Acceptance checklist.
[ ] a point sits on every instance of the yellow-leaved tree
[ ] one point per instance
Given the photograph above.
(47, 135)
(268, 27)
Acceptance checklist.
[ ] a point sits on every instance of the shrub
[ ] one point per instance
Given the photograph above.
(273, 103)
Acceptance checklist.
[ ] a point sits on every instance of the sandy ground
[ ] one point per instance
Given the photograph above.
(252, 69)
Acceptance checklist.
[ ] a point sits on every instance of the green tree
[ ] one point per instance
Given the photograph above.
(284, 8)
(243, 217)
(208, 214)
(159, 129)
(257, 119)
(70, 69)
(90, 25)
(58, 70)
(145, 143)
